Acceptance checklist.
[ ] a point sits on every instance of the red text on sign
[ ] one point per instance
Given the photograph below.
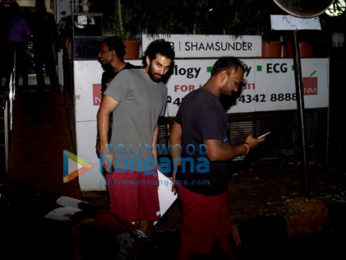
(185, 88)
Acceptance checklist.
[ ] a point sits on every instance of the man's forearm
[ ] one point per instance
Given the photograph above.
(155, 138)
(230, 151)
(103, 128)
(155, 135)
(175, 143)
(218, 151)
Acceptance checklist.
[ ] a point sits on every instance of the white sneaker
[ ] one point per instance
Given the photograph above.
(140, 234)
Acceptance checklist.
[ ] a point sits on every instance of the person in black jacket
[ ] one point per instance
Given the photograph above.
(18, 33)
(44, 30)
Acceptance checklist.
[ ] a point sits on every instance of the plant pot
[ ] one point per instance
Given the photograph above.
(131, 49)
(306, 50)
(271, 49)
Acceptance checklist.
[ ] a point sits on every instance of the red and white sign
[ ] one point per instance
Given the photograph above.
(97, 94)
(310, 86)
(270, 86)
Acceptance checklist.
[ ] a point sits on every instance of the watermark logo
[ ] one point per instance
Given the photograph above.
(133, 157)
(74, 166)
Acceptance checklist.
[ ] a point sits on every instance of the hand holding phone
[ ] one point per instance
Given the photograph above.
(267, 133)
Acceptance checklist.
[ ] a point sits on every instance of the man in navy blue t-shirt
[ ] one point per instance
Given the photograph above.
(200, 147)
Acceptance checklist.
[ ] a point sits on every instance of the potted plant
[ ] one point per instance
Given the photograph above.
(123, 15)
(272, 45)
(135, 17)
(306, 46)
(272, 41)
(252, 19)
(116, 17)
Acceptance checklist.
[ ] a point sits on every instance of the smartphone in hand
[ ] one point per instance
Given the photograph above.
(267, 133)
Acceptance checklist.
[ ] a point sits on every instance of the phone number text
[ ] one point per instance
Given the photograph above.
(257, 98)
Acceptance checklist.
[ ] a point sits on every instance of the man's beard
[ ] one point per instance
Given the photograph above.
(152, 75)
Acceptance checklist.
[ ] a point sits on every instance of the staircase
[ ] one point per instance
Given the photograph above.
(40, 135)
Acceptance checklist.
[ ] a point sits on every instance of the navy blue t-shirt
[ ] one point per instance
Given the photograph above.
(201, 117)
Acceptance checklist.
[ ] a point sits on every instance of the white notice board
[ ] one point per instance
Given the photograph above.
(270, 84)
(270, 87)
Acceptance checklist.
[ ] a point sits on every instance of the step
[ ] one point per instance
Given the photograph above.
(36, 157)
(35, 144)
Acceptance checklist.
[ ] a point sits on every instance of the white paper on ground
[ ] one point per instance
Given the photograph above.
(166, 196)
(62, 213)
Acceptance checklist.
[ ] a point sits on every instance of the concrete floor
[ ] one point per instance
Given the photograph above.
(272, 217)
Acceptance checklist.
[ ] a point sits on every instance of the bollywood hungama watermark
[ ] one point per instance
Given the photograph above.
(193, 161)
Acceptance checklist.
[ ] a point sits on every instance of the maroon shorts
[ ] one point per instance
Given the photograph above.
(205, 218)
(134, 195)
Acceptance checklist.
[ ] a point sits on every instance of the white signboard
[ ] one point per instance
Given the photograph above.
(270, 87)
(270, 84)
(87, 75)
(265, 78)
(198, 46)
(289, 23)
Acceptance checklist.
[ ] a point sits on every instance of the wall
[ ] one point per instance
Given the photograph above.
(270, 87)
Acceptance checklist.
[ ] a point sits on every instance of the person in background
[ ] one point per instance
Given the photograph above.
(201, 122)
(111, 56)
(18, 31)
(45, 41)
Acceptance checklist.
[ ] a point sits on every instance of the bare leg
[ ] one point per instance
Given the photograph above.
(145, 226)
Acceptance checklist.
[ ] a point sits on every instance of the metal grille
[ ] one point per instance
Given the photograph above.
(283, 144)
